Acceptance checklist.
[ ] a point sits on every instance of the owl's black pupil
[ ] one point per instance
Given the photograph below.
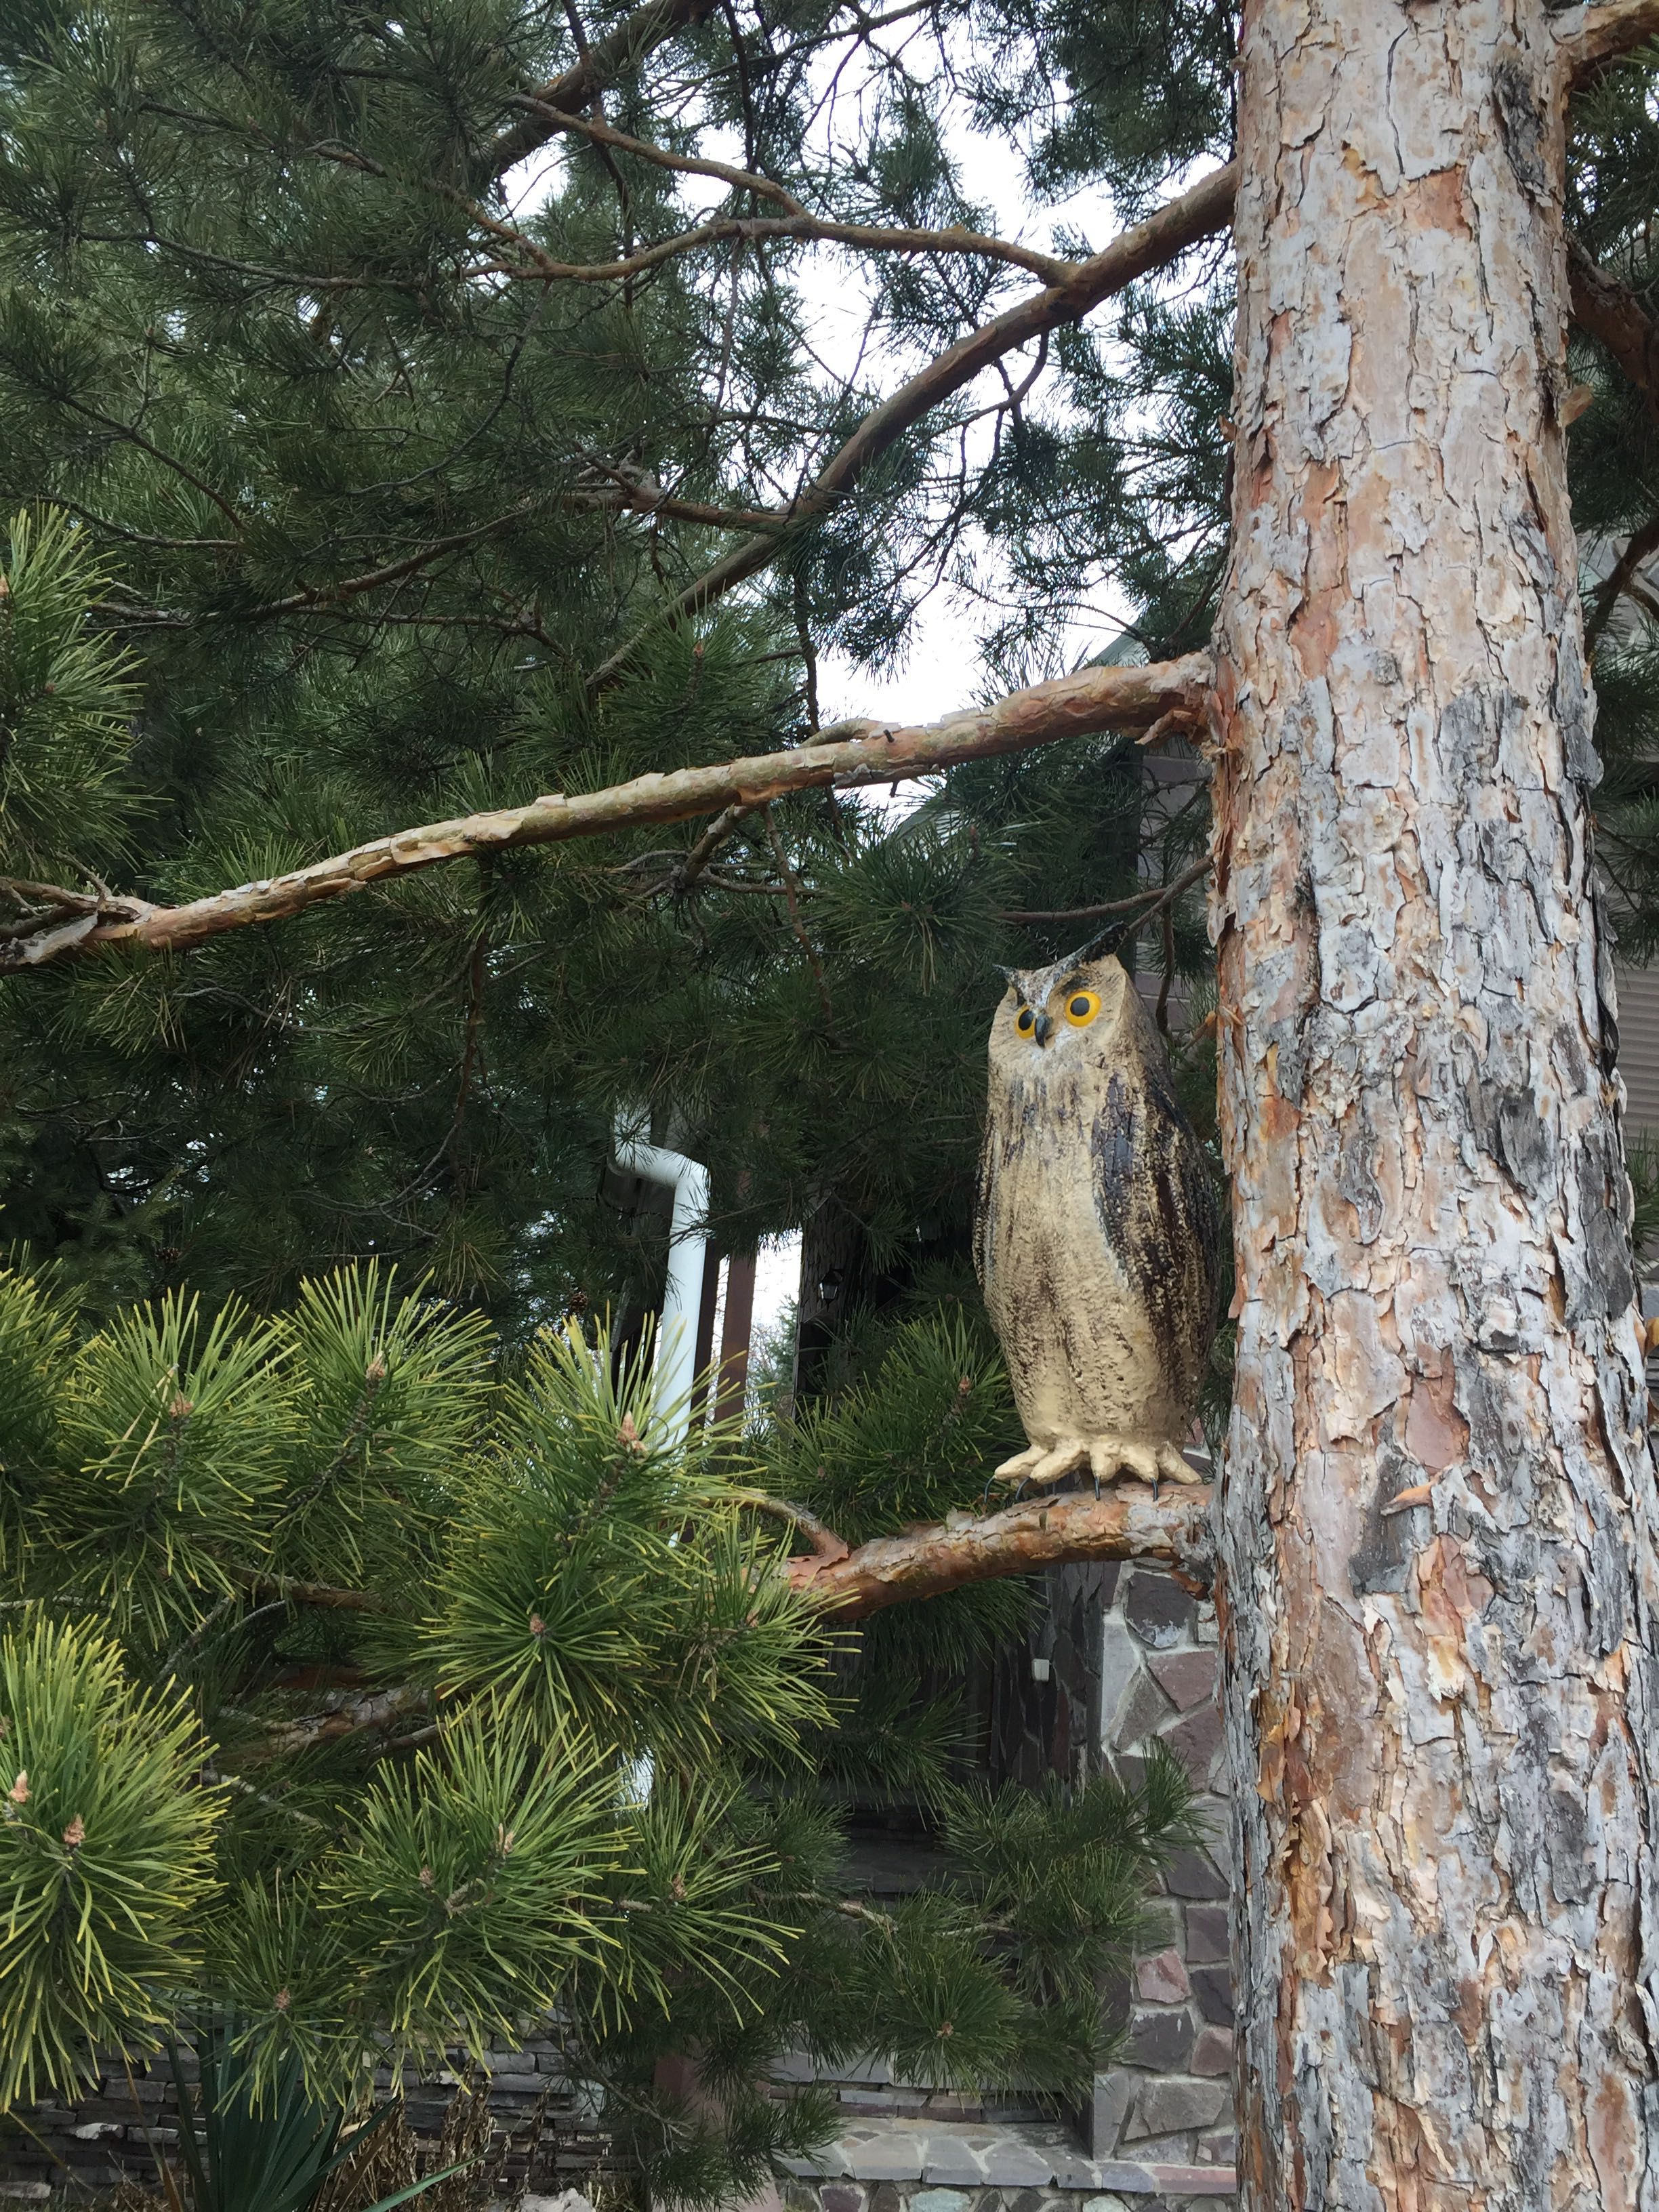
(1079, 1007)
(1025, 1017)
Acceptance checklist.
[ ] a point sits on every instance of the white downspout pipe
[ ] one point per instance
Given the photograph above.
(676, 1335)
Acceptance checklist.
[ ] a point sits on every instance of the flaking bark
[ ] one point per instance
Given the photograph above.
(1438, 1575)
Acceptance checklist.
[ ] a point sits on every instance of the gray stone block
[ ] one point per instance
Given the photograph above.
(880, 2154)
(1176, 2106)
(955, 2162)
(1213, 2051)
(1119, 1668)
(1206, 1933)
(1013, 2163)
(1195, 1875)
(1213, 1987)
(940, 2200)
(1195, 1739)
(1161, 2041)
(1188, 1679)
(1111, 2101)
(1158, 1609)
(1145, 1708)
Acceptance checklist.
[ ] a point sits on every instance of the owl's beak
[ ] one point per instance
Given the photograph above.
(1041, 1031)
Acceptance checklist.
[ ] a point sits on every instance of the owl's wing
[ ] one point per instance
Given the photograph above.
(1157, 1207)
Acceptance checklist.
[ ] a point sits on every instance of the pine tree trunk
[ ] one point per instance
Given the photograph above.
(1438, 1571)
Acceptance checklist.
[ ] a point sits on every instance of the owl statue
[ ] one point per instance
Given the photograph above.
(1095, 1237)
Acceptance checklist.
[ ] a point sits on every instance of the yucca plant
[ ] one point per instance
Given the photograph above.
(249, 2147)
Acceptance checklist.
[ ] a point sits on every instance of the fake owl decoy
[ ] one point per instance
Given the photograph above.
(1096, 1237)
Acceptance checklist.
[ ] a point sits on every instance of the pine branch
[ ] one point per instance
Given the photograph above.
(807, 229)
(1612, 313)
(1082, 705)
(1587, 37)
(1155, 898)
(637, 35)
(1197, 215)
(1622, 576)
(351, 1716)
(1125, 1522)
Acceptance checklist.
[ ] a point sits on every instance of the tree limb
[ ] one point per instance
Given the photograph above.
(1610, 311)
(1092, 700)
(1642, 543)
(635, 36)
(348, 1715)
(1125, 1522)
(1587, 37)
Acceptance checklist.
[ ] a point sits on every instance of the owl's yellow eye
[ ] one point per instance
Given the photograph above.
(1026, 1021)
(1081, 1008)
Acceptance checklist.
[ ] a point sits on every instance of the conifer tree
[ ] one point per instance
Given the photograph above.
(363, 1692)
(407, 494)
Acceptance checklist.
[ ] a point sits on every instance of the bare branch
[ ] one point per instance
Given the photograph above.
(1613, 314)
(1587, 37)
(1092, 700)
(350, 1714)
(1127, 1523)
(1641, 543)
(809, 229)
(1159, 894)
(633, 38)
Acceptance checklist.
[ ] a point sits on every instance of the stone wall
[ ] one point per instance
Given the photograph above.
(1118, 1658)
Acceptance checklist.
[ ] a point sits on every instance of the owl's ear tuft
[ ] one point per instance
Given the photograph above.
(1010, 976)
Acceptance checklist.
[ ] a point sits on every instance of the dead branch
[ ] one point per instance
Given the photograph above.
(1092, 700)
(317, 1593)
(637, 35)
(1125, 1522)
(826, 1545)
(346, 1716)
(806, 229)
(1641, 545)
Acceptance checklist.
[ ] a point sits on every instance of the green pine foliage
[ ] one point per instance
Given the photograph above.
(106, 1852)
(372, 1687)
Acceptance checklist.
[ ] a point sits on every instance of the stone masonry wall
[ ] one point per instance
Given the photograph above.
(1118, 1658)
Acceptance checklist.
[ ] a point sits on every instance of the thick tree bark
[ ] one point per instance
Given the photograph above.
(1437, 1573)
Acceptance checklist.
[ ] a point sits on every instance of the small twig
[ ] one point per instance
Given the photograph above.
(1607, 593)
(826, 1545)
(318, 1594)
(1168, 913)
(1155, 898)
(706, 845)
(211, 1776)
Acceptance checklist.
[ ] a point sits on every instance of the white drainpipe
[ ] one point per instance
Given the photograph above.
(676, 1334)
